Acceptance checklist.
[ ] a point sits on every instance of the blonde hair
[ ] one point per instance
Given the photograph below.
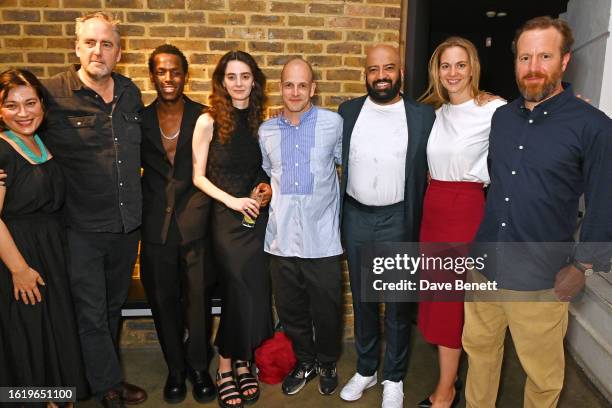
(436, 95)
(108, 17)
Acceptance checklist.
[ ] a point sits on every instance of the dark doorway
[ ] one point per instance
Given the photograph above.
(432, 21)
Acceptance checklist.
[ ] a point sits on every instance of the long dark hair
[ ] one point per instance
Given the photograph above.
(12, 78)
(221, 103)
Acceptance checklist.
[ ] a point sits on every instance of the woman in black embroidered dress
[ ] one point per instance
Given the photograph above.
(39, 344)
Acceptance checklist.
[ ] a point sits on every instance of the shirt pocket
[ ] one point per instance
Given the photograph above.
(81, 122)
(82, 128)
(133, 122)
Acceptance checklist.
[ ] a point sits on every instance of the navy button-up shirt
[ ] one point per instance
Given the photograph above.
(541, 162)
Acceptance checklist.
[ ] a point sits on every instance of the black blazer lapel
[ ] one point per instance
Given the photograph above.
(151, 127)
(191, 108)
(414, 122)
(349, 121)
(349, 111)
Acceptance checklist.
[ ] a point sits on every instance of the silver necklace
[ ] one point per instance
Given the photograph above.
(172, 137)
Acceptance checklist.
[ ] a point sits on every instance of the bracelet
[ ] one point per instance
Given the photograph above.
(587, 270)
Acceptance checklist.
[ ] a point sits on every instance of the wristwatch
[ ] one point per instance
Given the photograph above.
(587, 270)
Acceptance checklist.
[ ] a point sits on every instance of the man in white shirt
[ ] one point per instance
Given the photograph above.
(384, 162)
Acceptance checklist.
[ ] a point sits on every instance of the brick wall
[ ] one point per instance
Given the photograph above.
(331, 34)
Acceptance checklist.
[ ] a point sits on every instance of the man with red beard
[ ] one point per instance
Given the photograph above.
(546, 149)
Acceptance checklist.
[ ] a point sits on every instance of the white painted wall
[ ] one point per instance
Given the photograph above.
(590, 22)
(589, 336)
(605, 101)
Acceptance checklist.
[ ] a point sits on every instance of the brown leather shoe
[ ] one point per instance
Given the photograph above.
(112, 399)
(133, 394)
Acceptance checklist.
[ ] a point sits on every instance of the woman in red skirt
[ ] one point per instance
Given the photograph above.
(454, 201)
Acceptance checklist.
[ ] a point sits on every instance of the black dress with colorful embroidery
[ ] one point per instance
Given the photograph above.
(39, 344)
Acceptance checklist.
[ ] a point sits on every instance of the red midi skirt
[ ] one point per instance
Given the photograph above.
(452, 212)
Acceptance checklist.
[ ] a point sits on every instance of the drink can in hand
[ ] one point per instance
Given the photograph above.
(247, 220)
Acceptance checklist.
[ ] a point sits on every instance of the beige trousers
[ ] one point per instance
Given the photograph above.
(537, 329)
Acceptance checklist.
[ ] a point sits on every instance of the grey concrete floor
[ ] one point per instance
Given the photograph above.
(145, 367)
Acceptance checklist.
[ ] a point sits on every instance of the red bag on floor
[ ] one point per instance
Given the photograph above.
(275, 358)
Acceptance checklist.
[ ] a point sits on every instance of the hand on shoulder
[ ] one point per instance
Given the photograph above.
(483, 98)
(587, 100)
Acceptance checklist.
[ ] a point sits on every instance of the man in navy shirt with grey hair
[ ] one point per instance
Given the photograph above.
(547, 148)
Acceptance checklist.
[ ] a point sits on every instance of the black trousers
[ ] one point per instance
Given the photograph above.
(178, 292)
(100, 270)
(362, 225)
(308, 299)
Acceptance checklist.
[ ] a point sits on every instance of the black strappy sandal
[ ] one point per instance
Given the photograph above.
(246, 382)
(226, 389)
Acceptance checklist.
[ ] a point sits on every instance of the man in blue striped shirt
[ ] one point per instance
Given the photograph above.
(300, 149)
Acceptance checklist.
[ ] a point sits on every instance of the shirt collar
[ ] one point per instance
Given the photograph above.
(283, 121)
(549, 104)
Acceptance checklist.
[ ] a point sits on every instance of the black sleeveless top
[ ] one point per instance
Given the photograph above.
(235, 166)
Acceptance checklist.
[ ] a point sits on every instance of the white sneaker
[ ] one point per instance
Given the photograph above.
(393, 394)
(353, 390)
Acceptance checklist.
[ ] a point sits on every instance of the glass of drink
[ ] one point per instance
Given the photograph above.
(247, 220)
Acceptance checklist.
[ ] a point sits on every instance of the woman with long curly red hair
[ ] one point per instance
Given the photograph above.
(227, 166)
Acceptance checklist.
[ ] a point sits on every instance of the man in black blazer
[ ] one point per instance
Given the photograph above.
(174, 229)
(384, 177)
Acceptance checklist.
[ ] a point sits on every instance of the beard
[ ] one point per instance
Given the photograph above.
(538, 92)
(384, 95)
(97, 71)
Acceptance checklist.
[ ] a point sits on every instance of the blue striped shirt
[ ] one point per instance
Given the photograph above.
(296, 144)
(301, 162)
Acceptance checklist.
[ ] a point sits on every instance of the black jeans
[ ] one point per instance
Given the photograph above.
(100, 270)
(363, 225)
(178, 292)
(308, 299)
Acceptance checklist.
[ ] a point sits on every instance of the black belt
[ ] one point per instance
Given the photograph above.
(373, 208)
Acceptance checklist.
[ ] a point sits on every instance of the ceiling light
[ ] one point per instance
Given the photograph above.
(502, 14)
(491, 13)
